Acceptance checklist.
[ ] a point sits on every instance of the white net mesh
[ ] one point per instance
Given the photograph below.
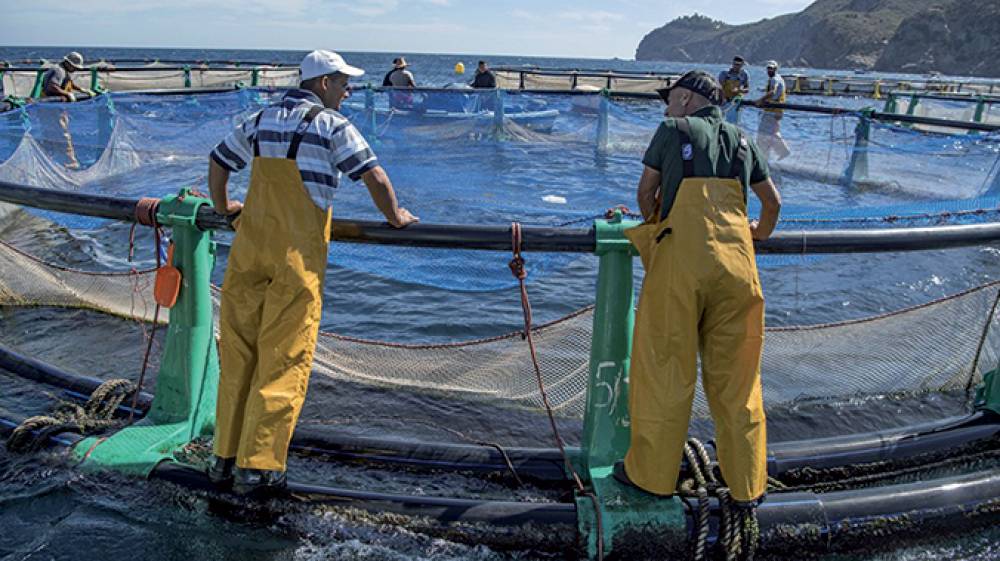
(21, 83)
(944, 345)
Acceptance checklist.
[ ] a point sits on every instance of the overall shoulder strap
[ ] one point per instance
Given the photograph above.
(300, 131)
(256, 134)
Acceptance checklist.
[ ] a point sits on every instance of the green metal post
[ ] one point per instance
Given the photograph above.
(94, 82)
(890, 104)
(603, 132)
(858, 165)
(988, 395)
(914, 101)
(980, 110)
(254, 77)
(187, 383)
(36, 90)
(624, 513)
(187, 76)
(605, 424)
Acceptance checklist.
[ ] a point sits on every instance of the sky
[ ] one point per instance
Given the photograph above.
(565, 28)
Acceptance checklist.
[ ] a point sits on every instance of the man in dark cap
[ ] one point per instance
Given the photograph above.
(700, 294)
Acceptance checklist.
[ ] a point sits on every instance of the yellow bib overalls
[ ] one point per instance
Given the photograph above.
(271, 305)
(701, 294)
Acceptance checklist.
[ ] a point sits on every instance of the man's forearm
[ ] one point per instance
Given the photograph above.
(768, 220)
(382, 193)
(649, 185)
(218, 179)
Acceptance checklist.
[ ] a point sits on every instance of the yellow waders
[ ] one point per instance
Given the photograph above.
(270, 314)
(730, 89)
(700, 293)
(769, 129)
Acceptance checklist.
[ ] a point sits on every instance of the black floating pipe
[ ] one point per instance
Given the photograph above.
(968, 97)
(878, 116)
(546, 464)
(100, 206)
(444, 509)
(38, 371)
(793, 522)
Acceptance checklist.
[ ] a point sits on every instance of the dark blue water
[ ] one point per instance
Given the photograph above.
(455, 174)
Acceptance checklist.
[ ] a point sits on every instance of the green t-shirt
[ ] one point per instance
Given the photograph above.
(714, 145)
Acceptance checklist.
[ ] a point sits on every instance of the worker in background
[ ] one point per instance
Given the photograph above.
(272, 295)
(484, 77)
(769, 130)
(735, 81)
(58, 79)
(701, 294)
(400, 77)
(58, 82)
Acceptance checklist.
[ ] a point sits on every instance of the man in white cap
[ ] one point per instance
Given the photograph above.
(769, 130)
(272, 295)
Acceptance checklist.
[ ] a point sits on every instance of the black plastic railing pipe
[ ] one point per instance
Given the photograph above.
(586, 73)
(956, 96)
(194, 67)
(533, 238)
(878, 116)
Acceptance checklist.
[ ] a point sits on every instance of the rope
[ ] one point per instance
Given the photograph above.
(520, 273)
(156, 315)
(739, 531)
(145, 211)
(96, 415)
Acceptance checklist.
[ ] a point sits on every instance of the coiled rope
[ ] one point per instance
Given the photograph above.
(94, 416)
(739, 530)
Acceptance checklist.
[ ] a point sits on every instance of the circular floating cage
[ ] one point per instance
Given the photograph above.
(875, 209)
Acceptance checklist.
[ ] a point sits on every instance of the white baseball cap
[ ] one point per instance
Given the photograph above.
(772, 64)
(321, 63)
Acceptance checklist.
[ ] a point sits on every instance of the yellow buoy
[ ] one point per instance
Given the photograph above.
(459, 68)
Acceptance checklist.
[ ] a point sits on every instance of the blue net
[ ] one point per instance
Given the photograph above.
(552, 160)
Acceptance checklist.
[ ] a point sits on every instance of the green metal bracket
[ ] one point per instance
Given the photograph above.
(858, 166)
(914, 101)
(988, 394)
(605, 425)
(624, 512)
(890, 104)
(254, 77)
(980, 110)
(187, 76)
(36, 90)
(186, 386)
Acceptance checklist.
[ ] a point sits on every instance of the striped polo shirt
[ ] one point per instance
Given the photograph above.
(330, 146)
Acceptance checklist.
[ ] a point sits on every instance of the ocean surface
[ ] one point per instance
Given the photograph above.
(51, 511)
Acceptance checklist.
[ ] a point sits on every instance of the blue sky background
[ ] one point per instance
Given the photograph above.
(580, 28)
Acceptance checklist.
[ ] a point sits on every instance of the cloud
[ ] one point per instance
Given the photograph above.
(525, 15)
(599, 17)
(376, 8)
